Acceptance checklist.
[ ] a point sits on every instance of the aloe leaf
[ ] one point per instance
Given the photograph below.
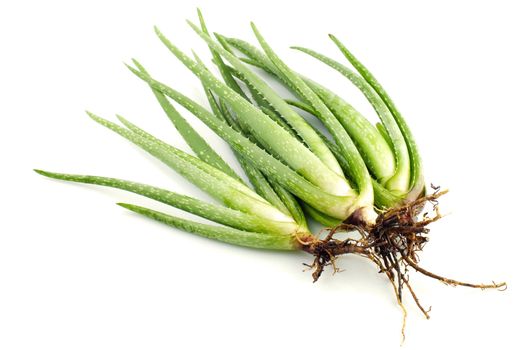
(254, 54)
(257, 179)
(302, 106)
(205, 152)
(202, 166)
(262, 187)
(383, 197)
(277, 103)
(359, 171)
(228, 79)
(290, 202)
(297, 156)
(257, 58)
(263, 104)
(374, 150)
(372, 146)
(321, 218)
(196, 142)
(219, 233)
(416, 180)
(270, 190)
(287, 177)
(213, 212)
(381, 128)
(221, 186)
(400, 181)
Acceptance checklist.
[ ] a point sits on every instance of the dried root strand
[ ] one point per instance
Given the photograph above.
(326, 250)
(393, 244)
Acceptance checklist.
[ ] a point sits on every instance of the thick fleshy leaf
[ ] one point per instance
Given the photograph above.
(231, 192)
(337, 206)
(417, 181)
(219, 233)
(213, 212)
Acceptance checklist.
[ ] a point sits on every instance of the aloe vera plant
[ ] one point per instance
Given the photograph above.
(366, 178)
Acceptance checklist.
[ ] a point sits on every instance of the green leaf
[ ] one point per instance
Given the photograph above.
(228, 79)
(231, 192)
(257, 179)
(337, 206)
(375, 151)
(321, 218)
(359, 171)
(400, 181)
(264, 105)
(273, 192)
(213, 212)
(199, 146)
(417, 181)
(253, 54)
(383, 197)
(223, 234)
(277, 103)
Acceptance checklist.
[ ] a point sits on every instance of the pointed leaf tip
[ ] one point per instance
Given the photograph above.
(96, 118)
(92, 115)
(133, 69)
(121, 118)
(159, 33)
(334, 38)
(139, 66)
(125, 205)
(47, 173)
(131, 207)
(194, 26)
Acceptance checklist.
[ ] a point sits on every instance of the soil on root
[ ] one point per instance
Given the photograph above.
(393, 244)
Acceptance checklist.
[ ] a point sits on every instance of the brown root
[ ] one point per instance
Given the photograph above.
(393, 244)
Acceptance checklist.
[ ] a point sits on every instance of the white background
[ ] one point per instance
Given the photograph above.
(78, 272)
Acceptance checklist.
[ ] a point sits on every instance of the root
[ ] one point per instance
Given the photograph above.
(393, 244)
(325, 251)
